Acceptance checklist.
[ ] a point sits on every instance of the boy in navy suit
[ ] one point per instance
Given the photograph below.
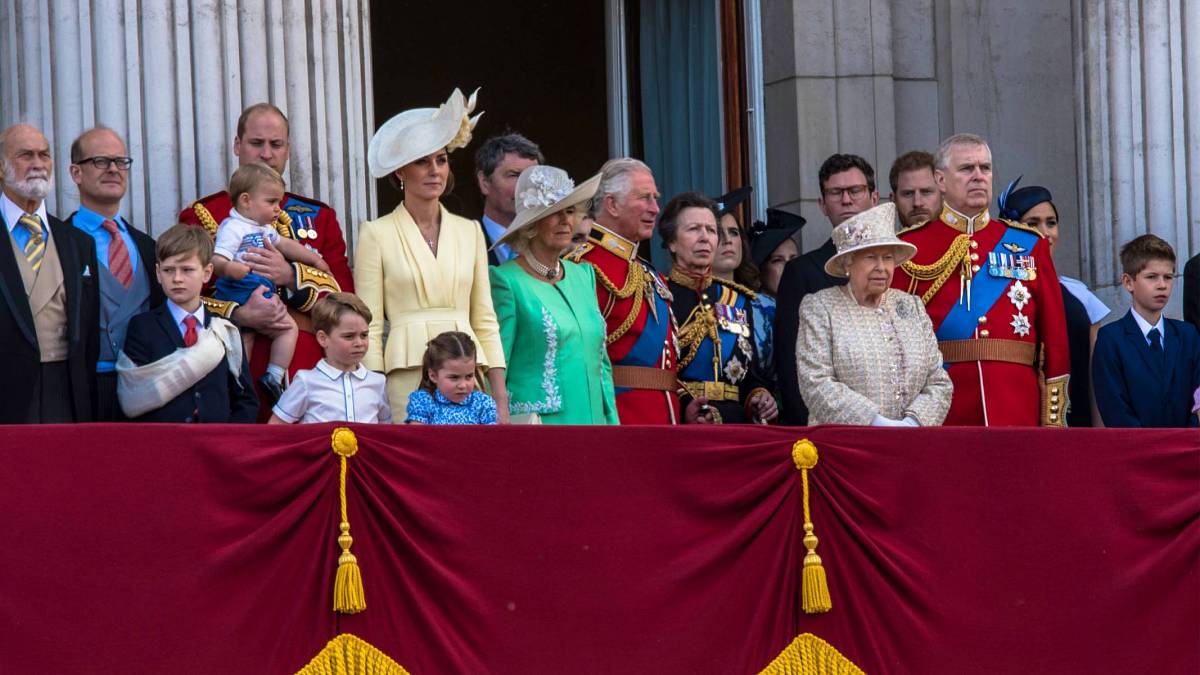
(180, 362)
(1146, 367)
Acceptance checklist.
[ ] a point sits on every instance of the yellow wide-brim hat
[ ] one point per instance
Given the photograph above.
(873, 228)
(415, 133)
(544, 190)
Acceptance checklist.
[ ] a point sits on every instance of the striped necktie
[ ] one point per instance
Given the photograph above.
(35, 248)
(118, 254)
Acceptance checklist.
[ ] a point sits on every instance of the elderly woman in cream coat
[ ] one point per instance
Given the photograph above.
(866, 352)
(421, 268)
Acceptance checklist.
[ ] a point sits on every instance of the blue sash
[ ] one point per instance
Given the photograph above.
(986, 289)
(647, 350)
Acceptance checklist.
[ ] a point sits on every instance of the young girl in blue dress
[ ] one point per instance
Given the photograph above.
(447, 393)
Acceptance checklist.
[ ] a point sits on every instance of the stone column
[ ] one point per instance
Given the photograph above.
(172, 77)
(1139, 155)
(827, 70)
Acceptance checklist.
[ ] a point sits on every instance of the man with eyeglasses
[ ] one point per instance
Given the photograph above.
(124, 255)
(847, 185)
(262, 135)
(48, 312)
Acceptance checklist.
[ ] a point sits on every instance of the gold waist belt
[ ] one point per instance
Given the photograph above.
(713, 391)
(641, 377)
(984, 349)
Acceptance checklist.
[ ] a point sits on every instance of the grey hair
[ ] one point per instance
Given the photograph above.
(520, 242)
(616, 179)
(941, 160)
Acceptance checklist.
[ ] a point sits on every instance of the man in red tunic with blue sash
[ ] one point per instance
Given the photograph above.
(262, 136)
(633, 298)
(993, 295)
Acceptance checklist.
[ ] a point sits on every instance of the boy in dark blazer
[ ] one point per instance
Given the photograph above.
(1146, 367)
(184, 255)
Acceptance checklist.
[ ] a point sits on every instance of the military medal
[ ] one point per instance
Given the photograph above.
(1019, 295)
(1020, 324)
(305, 229)
(1011, 266)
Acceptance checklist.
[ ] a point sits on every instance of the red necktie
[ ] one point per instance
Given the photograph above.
(118, 255)
(189, 335)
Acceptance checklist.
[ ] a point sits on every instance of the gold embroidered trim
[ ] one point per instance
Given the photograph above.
(1055, 401)
(206, 218)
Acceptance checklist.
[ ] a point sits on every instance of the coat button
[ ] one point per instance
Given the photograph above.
(984, 333)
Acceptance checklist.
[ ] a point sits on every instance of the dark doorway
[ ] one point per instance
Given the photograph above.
(541, 66)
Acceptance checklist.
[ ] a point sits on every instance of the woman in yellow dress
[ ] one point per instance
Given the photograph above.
(420, 268)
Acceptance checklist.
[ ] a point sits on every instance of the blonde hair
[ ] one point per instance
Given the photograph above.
(183, 239)
(249, 176)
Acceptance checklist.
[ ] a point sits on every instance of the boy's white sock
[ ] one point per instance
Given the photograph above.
(277, 373)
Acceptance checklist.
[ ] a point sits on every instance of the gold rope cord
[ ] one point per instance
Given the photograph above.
(701, 323)
(635, 284)
(939, 272)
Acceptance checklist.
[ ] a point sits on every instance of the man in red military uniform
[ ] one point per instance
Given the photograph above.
(262, 136)
(992, 293)
(634, 299)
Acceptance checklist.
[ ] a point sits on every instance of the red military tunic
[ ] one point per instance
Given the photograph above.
(301, 216)
(641, 329)
(993, 295)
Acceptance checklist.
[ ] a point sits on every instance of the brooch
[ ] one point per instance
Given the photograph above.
(1020, 324)
(1019, 295)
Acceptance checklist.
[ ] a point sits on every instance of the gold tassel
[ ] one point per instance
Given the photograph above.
(348, 595)
(814, 587)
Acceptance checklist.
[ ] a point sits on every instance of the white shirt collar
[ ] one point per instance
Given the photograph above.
(328, 370)
(236, 215)
(179, 314)
(12, 213)
(1145, 326)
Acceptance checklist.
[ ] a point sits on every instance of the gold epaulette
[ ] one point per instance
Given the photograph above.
(206, 218)
(1022, 226)
(914, 228)
(617, 245)
(222, 308)
(576, 255)
(750, 295)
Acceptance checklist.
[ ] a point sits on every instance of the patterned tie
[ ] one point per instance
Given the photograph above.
(189, 335)
(118, 255)
(35, 248)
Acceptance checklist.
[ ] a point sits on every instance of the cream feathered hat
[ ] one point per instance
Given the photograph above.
(870, 229)
(416, 133)
(543, 190)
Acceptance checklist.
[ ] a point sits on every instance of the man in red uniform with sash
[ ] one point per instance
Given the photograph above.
(262, 136)
(992, 293)
(634, 298)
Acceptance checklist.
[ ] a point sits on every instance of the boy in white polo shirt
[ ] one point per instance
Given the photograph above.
(339, 388)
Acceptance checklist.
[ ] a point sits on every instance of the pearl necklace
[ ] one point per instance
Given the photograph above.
(544, 270)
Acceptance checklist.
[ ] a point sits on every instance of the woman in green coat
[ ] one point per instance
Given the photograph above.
(550, 325)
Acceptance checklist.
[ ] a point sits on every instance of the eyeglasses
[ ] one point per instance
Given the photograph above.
(103, 163)
(854, 190)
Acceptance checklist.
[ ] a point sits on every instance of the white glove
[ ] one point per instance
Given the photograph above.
(881, 421)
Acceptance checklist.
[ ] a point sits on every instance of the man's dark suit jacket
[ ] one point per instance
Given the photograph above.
(145, 251)
(18, 337)
(803, 275)
(219, 397)
(1134, 388)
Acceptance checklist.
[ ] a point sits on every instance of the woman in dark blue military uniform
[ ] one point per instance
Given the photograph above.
(717, 353)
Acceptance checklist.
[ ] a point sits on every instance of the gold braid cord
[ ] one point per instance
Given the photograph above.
(283, 225)
(348, 654)
(957, 256)
(206, 218)
(810, 655)
(635, 285)
(701, 323)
